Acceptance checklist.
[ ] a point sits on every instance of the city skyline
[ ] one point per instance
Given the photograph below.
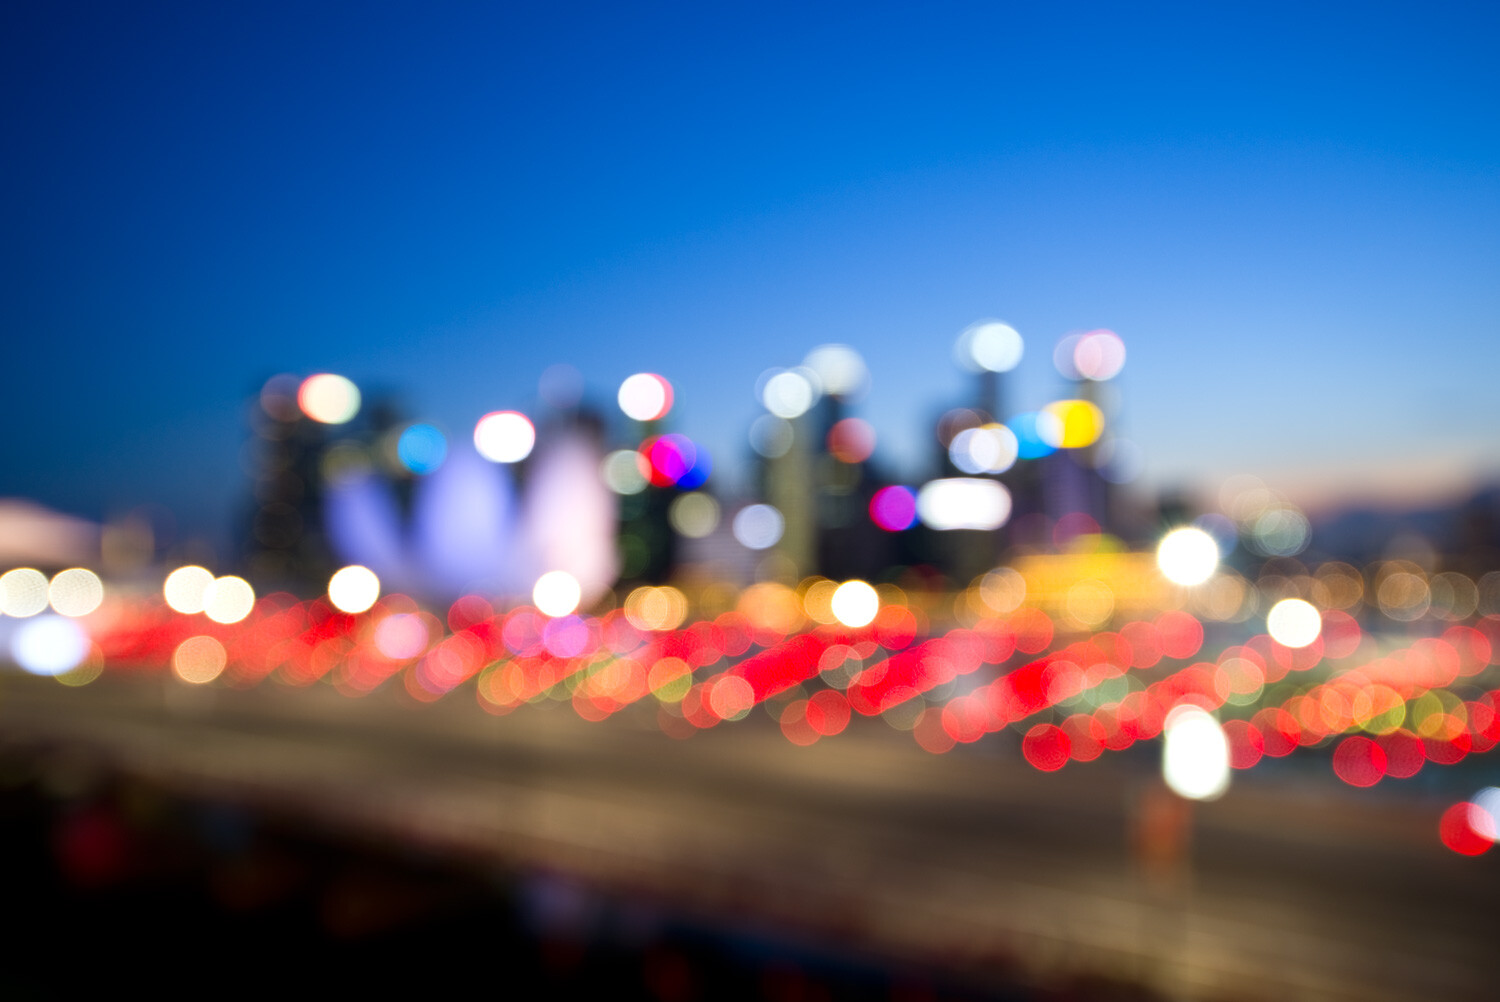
(1289, 222)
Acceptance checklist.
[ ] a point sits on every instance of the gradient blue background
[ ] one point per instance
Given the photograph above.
(1289, 214)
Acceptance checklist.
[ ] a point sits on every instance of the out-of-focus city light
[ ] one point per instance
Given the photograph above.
(676, 459)
(504, 436)
(645, 396)
(1035, 432)
(963, 503)
(851, 440)
(894, 508)
(788, 394)
(1293, 622)
(278, 397)
(353, 588)
(49, 645)
(556, 593)
(1280, 531)
(199, 660)
(422, 448)
(694, 515)
(1195, 754)
(839, 368)
(1077, 424)
(758, 526)
(771, 436)
(76, 591)
(653, 608)
(1099, 355)
(228, 599)
(1485, 818)
(1187, 556)
(23, 592)
(401, 636)
(855, 604)
(328, 398)
(625, 471)
(989, 346)
(186, 588)
(990, 448)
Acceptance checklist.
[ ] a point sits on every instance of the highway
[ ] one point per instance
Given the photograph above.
(1294, 887)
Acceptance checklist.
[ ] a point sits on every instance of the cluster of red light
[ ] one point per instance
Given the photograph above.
(604, 664)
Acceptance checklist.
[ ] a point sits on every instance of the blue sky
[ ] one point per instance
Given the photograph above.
(1289, 215)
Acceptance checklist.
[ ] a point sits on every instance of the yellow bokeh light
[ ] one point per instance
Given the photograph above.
(1187, 556)
(1294, 623)
(1079, 424)
(855, 603)
(199, 660)
(773, 606)
(649, 608)
(76, 591)
(328, 399)
(353, 588)
(228, 599)
(556, 593)
(186, 588)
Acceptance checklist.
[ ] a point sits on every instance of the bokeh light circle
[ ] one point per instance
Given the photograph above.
(1099, 355)
(1195, 754)
(1294, 623)
(989, 346)
(199, 660)
(758, 526)
(839, 369)
(894, 508)
(556, 593)
(990, 448)
(328, 398)
(23, 592)
(504, 436)
(186, 587)
(851, 440)
(694, 515)
(645, 396)
(855, 604)
(353, 588)
(1076, 424)
(422, 448)
(49, 645)
(228, 599)
(788, 394)
(1187, 556)
(625, 471)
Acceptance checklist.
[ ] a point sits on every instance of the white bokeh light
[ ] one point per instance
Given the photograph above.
(1187, 556)
(645, 396)
(504, 436)
(228, 599)
(855, 603)
(758, 526)
(353, 589)
(556, 593)
(1294, 623)
(76, 591)
(989, 346)
(1195, 754)
(328, 398)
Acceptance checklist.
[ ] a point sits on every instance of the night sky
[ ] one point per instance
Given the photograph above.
(1290, 214)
